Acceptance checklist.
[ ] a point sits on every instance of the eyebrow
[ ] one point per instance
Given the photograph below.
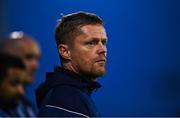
(31, 55)
(103, 39)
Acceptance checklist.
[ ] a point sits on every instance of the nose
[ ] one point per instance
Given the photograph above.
(33, 64)
(21, 90)
(102, 48)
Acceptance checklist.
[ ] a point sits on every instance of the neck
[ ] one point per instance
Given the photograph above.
(69, 66)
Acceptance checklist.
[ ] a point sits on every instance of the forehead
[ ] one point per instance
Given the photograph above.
(94, 31)
(28, 47)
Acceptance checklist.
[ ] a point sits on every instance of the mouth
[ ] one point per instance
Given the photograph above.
(31, 73)
(103, 61)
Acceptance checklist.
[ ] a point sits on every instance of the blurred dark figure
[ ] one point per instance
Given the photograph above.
(12, 82)
(26, 48)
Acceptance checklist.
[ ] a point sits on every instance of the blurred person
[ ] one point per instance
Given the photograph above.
(81, 39)
(26, 48)
(12, 88)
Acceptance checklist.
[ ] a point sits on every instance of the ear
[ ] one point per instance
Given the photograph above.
(64, 51)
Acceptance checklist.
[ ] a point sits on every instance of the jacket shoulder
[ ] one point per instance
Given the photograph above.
(64, 101)
(63, 94)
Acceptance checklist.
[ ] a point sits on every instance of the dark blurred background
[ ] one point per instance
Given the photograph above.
(143, 69)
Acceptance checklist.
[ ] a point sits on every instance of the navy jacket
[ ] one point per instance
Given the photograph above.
(66, 94)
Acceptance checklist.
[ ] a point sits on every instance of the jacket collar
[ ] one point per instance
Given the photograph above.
(64, 76)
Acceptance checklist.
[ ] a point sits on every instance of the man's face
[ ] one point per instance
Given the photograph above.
(30, 54)
(88, 53)
(12, 86)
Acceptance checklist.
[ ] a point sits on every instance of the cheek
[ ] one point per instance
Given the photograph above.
(11, 89)
(26, 62)
(82, 61)
(80, 55)
(83, 58)
(9, 92)
(86, 60)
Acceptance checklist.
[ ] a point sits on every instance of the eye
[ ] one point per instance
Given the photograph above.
(15, 82)
(104, 42)
(92, 43)
(31, 56)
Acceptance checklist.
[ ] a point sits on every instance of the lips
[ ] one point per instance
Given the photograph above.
(101, 60)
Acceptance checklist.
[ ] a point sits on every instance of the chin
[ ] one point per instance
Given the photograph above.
(100, 72)
(30, 80)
